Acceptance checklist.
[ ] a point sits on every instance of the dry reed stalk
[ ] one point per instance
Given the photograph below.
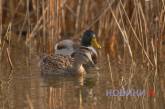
(0, 20)
(80, 98)
(58, 27)
(110, 70)
(11, 7)
(144, 32)
(59, 9)
(70, 10)
(8, 36)
(9, 59)
(124, 34)
(52, 9)
(155, 54)
(35, 29)
(162, 26)
(85, 15)
(38, 9)
(100, 27)
(52, 22)
(78, 14)
(29, 102)
(63, 15)
(34, 4)
(125, 37)
(59, 12)
(23, 25)
(50, 102)
(97, 18)
(0, 28)
(44, 24)
(136, 36)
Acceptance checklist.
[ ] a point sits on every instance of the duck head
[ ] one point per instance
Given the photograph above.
(65, 47)
(89, 39)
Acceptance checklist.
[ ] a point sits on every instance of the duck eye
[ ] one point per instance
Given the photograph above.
(60, 47)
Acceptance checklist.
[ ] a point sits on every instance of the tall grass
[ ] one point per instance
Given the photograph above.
(1, 18)
(137, 28)
(133, 28)
(136, 22)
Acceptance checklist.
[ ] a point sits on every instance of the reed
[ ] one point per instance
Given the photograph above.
(30, 104)
(135, 30)
(0, 27)
(65, 16)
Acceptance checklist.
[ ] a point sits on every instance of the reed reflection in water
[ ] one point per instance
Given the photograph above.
(23, 87)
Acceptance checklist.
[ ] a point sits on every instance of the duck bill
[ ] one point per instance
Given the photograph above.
(95, 43)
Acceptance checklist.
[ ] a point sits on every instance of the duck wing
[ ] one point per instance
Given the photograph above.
(55, 64)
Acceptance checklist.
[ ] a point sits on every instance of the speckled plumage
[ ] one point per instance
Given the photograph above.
(55, 64)
(65, 64)
(70, 57)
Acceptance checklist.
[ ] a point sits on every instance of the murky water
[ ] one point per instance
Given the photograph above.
(24, 88)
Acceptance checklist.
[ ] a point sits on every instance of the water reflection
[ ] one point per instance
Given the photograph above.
(69, 91)
(25, 88)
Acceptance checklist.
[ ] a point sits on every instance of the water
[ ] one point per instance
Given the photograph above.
(24, 88)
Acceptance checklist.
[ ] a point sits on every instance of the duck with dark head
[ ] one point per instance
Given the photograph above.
(88, 41)
(70, 60)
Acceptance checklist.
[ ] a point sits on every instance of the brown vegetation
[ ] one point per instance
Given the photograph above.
(111, 45)
(132, 29)
(140, 23)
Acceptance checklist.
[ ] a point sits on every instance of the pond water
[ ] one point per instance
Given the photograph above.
(23, 87)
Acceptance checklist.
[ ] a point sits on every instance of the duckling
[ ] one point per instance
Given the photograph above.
(65, 64)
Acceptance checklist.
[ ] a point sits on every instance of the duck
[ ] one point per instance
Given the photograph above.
(59, 64)
(71, 57)
(88, 41)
